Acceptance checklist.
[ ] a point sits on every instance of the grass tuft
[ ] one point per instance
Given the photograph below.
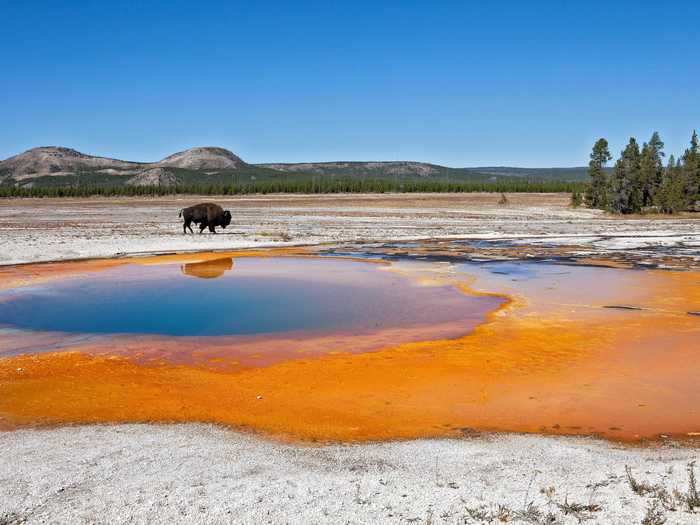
(654, 514)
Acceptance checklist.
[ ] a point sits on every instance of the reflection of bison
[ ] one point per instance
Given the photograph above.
(208, 269)
(206, 215)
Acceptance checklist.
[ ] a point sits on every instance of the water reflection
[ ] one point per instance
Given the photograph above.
(208, 269)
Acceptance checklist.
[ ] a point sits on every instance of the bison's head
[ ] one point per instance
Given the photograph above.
(227, 218)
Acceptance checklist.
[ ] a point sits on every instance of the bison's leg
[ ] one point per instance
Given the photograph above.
(201, 227)
(211, 228)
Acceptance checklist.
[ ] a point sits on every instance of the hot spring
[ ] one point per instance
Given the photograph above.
(322, 348)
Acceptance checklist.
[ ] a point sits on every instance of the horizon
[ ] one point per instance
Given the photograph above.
(453, 85)
(112, 157)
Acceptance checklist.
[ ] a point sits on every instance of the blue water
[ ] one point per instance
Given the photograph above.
(252, 296)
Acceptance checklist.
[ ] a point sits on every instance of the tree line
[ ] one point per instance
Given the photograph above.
(293, 185)
(640, 181)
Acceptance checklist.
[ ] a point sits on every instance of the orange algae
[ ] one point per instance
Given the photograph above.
(552, 362)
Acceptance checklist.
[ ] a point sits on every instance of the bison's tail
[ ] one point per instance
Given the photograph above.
(180, 214)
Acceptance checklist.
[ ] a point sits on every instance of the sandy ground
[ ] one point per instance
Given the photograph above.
(204, 474)
(55, 229)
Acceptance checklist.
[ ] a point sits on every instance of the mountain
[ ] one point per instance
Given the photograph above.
(51, 160)
(52, 166)
(203, 159)
(58, 166)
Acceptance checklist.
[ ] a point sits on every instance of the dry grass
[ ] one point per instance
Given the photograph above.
(692, 497)
(661, 502)
(580, 511)
(532, 513)
(661, 499)
(641, 488)
(654, 515)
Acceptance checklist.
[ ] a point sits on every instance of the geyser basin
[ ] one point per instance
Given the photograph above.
(256, 296)
(555, 361)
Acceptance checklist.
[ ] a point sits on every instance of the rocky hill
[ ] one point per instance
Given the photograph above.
(56, 161)
(203, 159)
(45, 165)
(152, 177)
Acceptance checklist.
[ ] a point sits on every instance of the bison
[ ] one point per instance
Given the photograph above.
(206, 215)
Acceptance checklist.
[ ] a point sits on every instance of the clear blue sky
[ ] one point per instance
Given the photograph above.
(458, 83)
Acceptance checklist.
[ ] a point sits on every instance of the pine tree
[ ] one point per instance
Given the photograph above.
(625, 189)
(651, 169)
(671, 195)
(691, 172)
(596, 193)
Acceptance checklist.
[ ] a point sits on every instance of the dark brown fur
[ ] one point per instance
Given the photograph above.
(206, 215)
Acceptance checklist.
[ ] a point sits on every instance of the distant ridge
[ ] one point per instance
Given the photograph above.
(427, 170)
(60, 166)
(421, 169)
